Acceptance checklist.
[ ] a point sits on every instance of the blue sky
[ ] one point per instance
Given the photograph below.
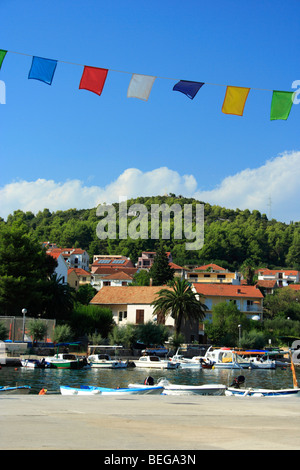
(61, 147)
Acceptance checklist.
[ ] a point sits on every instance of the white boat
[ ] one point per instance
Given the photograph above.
(187, 363)
(176, 389)
(33, 363)
(262, 392)
(235, 389)
(196, 362)
(21, 389)
(65, 361)
(155, 362)
(226, 358)
(259, 363)
(88, 390)
(104, 361)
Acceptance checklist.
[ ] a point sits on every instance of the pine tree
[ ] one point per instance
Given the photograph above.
(161, 272)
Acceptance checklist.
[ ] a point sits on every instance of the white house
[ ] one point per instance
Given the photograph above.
(283, 277)
(130, 304)
(62, 269)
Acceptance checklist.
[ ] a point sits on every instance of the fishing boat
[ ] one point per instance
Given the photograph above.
(103, 360)
(235, 388)
(226, 358)
(89, 390)
(262, 392)
(154, 362)
(260, 363)
(20, 389)
(263, 359)
(186, 363)
(65, 361)
(178, 389)
(33, 363)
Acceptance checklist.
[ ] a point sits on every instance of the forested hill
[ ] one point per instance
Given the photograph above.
(231, 236)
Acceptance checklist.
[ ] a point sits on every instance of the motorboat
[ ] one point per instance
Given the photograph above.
(262, 392)
(178, 389)
(235, 389)
(260, 363)
(33, 363)
(155, 362)
(20, 389)
(196, 362)
(226, 358)
(89, 390)
(104, 361)
(65, 361)
(186, 363)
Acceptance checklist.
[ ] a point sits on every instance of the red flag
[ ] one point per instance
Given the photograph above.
(93, 79)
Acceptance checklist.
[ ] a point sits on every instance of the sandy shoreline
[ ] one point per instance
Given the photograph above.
(149, 422)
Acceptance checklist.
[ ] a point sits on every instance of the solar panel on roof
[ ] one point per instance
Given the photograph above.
(118, 261)
(104, 261)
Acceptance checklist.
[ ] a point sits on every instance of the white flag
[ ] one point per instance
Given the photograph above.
(140, 86)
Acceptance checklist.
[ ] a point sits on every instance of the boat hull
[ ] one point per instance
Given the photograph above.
(109, 365)
(21, 390)
(85, 391)
(261, 392)
(173, 389)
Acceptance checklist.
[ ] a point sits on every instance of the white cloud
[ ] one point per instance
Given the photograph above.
(251, 189)
(275, 182)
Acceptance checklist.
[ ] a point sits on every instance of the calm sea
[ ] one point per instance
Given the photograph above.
(51, 379)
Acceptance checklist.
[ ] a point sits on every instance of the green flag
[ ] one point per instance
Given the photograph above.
(2, 55)
(281, 104)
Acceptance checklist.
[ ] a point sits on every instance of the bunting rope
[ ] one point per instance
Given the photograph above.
(140, 86)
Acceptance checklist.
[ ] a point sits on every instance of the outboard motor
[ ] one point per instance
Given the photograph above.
(149, 380)
(237, 381)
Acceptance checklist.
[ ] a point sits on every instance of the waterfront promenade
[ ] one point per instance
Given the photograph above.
(55, 422)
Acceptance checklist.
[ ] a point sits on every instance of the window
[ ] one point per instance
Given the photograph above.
(122, 316)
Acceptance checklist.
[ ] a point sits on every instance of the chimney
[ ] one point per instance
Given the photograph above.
(150, 281)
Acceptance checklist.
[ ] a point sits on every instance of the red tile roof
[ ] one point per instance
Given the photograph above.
(272, 272)
(108, 271)
(175, 266)
(127, 295)
(80, 271)
(119, 275)
(228, 290)
(205, 267)
(267, 284)
(294, 286)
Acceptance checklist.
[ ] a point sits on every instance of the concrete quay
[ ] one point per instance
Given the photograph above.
(56, 422)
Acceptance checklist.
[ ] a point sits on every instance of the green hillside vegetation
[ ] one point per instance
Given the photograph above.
(231, 237)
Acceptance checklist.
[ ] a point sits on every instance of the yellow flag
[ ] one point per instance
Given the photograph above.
(235, 99)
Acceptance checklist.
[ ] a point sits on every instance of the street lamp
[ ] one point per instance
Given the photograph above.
(240, 332)
(24, 311)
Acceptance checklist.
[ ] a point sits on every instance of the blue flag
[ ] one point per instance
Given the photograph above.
(190, 89)
(42, 69)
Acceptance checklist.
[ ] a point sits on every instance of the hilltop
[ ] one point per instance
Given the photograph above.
(231, 237)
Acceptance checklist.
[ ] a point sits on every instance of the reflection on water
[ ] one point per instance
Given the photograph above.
(51, 379)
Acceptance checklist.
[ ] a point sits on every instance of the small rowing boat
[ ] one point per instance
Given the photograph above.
(21, 389)
(89, 390)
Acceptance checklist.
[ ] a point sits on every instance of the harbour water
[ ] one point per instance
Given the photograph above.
(51, 379)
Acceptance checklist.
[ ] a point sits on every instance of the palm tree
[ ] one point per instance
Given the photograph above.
(180, 302)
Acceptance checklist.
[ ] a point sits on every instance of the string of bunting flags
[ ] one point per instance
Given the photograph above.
(140, 86)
